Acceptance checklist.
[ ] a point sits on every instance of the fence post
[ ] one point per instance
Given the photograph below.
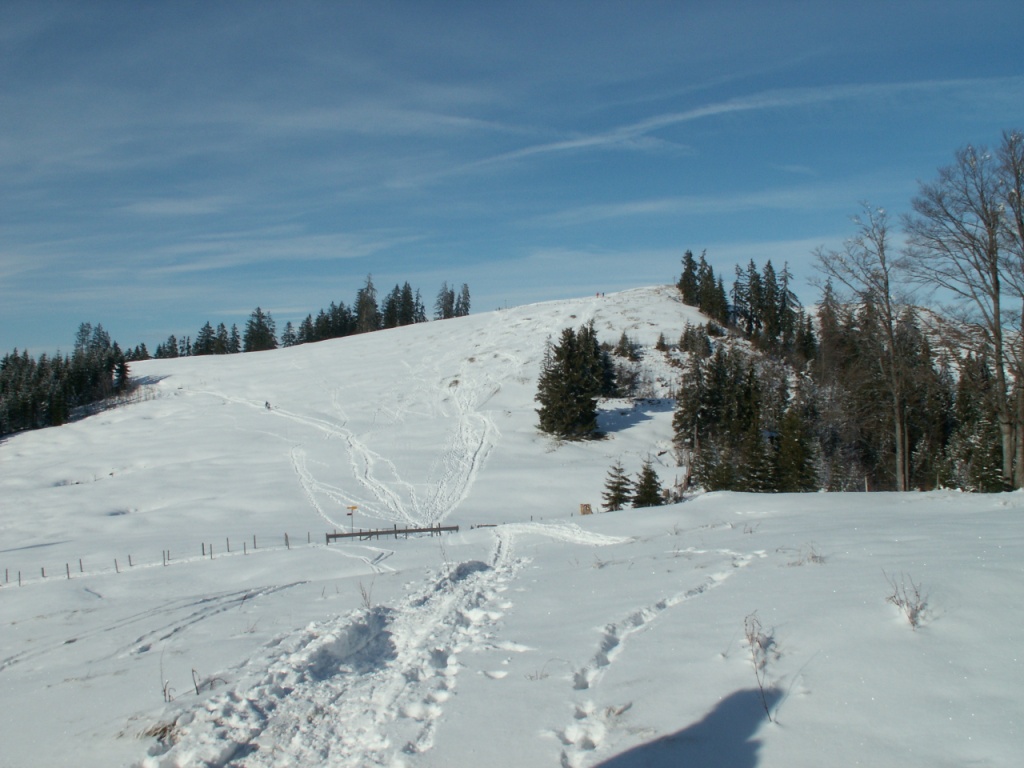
(116, 568)
(67, 567)
(228, 542)
(80, 568)
(204, 548)
(289, 546)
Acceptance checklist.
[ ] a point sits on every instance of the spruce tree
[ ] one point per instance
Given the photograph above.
(367, 313)
(205, 341)
(288, 337)
(259, 332)
(627, 348)
(758, 466)
(647, 491)
(569, 386)
(688, 281)
(391, 310)
(407, 306)
(618, 488)
(222, 341)
(462, 302)
(795, 458)
(420, 315)
(444, 305)
(306, 333)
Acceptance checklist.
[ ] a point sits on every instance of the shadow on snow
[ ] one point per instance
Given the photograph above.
(620, 418)
(723, 739)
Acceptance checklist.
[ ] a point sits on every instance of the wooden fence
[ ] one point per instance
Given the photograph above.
(376, 533)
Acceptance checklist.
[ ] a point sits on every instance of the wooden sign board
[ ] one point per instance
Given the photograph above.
(585, 509)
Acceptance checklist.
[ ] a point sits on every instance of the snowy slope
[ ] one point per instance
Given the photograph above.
(548, 639)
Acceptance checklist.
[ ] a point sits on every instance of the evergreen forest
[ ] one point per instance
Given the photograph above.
(50, 390)
(907, 374)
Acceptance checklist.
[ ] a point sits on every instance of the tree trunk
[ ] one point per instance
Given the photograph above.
(1018, 467)
(900, 436)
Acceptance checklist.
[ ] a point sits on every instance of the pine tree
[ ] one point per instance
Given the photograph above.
(444, 305)
(366, 311)
(288, 337)
(259, 332)
(795, 458)
(805, 344)
(569, 386)
(688, 281)
(647, 491)
(122, 376)
(223, 340)
(770, 308)
(618, 488)
(420, 310)
(627, 348)
(391, 310)
(205, 341)
(407, 306)
(789, 310)
(718, 306)
(462, 302)
(306, 333)
(758, 465)
(169, 348)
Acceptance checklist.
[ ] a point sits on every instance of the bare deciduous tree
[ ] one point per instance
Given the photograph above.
(956, 235)
(1011, 168)
(868, 274)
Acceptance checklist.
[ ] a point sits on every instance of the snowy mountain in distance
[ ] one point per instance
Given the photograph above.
(178, 604)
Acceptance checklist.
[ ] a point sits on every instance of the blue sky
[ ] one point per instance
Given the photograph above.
(164, 164)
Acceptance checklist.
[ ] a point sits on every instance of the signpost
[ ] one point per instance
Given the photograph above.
(352, 514)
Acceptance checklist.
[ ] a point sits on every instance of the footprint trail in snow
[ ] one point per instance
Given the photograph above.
(364, 689)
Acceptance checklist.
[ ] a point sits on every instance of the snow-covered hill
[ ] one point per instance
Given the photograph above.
(174, 626)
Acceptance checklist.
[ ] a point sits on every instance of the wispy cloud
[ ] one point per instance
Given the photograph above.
(185, 206)
(281, 245)
(626, 135)
(811, 197)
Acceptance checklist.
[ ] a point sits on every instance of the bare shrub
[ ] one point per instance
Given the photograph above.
(808, 554)
(366, 594)
(910, 600)
(762, 648)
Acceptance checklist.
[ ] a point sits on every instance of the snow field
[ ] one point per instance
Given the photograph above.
(550, 639)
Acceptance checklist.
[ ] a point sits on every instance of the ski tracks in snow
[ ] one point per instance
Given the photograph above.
(365, 689)
(449, 404)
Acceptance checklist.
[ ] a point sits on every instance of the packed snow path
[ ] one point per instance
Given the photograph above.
(358, 690)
